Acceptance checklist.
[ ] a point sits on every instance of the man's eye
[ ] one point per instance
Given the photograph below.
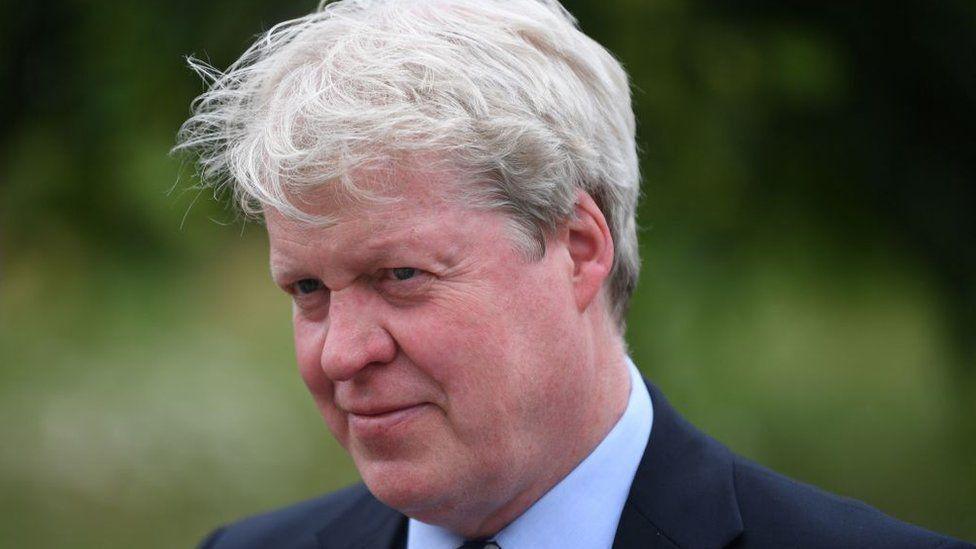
(404, 273)
(307, 286)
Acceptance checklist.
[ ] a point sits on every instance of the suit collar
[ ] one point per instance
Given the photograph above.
(683, 493)
(367, 523)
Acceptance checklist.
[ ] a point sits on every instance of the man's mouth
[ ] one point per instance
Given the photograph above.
(369, 422)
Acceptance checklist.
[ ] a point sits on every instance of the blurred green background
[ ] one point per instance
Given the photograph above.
(808, 294)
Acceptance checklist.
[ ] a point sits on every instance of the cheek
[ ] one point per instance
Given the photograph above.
(309, 338)
(465, 350)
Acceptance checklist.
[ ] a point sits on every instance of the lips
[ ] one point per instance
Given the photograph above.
(377, 409)
(378, 421)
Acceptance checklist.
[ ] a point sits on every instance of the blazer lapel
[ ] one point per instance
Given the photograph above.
(683, 493)
(368, 523)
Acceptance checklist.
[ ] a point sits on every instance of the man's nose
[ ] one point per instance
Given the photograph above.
(355, 337)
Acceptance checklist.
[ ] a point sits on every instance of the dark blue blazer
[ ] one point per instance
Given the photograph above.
(690, 491)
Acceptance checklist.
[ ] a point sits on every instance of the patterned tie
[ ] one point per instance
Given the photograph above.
(480, 545)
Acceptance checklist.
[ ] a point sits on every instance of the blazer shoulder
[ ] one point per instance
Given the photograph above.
(778, 511)
(293, 526)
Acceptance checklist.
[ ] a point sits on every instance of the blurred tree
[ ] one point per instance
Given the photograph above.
(893, 157)
(821, 138)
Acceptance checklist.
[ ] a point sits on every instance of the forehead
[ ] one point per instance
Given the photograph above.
(381, 195)
(404, 206)
(424, 178)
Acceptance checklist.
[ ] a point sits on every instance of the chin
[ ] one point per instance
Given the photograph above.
(411, 488)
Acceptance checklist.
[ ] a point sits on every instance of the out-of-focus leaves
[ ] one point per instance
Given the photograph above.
(808, 293)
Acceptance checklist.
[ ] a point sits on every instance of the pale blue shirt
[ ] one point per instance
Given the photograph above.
(582, 511)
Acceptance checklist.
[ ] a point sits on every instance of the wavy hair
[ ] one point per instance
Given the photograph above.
(510, 92)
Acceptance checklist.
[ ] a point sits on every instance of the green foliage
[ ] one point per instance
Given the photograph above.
(808, 294)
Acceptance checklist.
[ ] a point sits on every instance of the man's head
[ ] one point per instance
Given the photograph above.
(449, 188)
(509, 92)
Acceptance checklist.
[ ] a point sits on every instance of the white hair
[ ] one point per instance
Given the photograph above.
(508, 91)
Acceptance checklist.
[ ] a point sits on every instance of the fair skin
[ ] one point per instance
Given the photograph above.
(464, 379)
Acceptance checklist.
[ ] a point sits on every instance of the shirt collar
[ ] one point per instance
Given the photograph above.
(596, 489)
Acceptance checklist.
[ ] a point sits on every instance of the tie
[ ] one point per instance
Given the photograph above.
(480, 545)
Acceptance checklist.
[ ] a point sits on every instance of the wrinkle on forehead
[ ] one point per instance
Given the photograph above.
(382, 183)
(420, 213)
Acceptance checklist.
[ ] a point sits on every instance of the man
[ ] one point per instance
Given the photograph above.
(449, 188)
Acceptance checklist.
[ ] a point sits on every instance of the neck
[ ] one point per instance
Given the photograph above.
(597, 409)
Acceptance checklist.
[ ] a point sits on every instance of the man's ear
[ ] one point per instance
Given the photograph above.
(590, 249)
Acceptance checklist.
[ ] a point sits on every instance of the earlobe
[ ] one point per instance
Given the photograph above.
(590, 247)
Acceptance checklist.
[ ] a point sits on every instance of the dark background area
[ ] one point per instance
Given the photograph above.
(808, 293)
